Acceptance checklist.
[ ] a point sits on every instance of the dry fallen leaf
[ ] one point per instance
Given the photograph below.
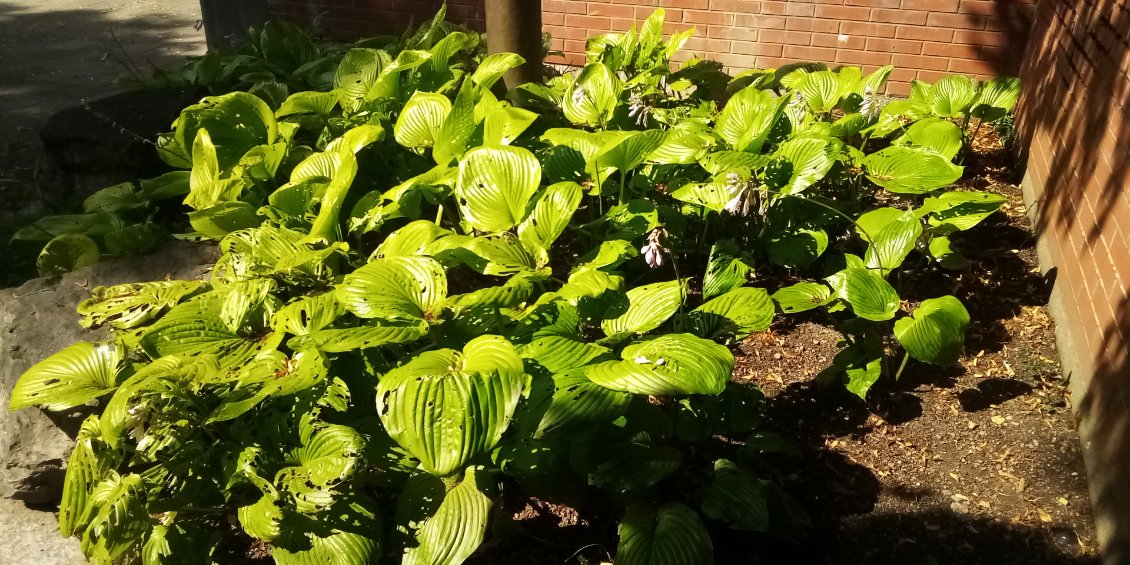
(998, 420)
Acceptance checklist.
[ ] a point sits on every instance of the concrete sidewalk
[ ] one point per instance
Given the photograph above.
(53, 55)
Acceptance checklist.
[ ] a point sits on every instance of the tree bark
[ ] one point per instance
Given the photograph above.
(514, 26)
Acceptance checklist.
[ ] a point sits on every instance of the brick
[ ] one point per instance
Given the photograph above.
(900, 16)
(931, 76)
(874, 3)
(567, 32)
(777, 7)
(979, 7)
(552, 19)
(868, 29)
(564, 6)
(594, 23)
(741, 6)
(855, 13)
(931, 5)
(611, 10)
(955, 21)
(924, 33)
(803, 53)
(702, 45)
(898, 88)
(735, 62)
(759, 21)
(920, 62)
(688, 4)
(731, 32)
(756, 48)
(787, 37)
(816, 24)
(838, 41)
(949, 50)
(707, 17)
(853, 57)
(981, 37)
(894, 45)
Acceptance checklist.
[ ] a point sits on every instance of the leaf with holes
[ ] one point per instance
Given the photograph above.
(72, 377)
(667, 365)
(395, 288)
(495, 186)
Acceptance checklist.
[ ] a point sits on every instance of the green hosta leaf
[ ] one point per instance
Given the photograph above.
(735, 497)
(720, 163)
(937, 134)
(501, 255)
(395, 288)
(799, 249)
(633, 466)
(608, 256)
(632, 219)
(941, 248)
(952, 96)
(996, 99)
(356, 74)
(862, 376)
(961, 210)
(342, 340)
(127, 306)
(869, 295)
(117, 198)
(168, 185)
(69, 378)
(446, 407)
(89, 462)
(346, 534)
(667, 365)
(48, 227)
(592, 98)
(307, 314)
(802, 296)
(116, 518)
(66, 253)
(801, 162)
(737, 313)
(197, 328)
(935, 332)
(235, 122)
(318, 103)
(166, 545)
(648, 307)
(503, 125)
(560, 353)
(455, 133)
(357, 138)
(493, 67)
(748, 118)
(894, 242)
(327, 457)
(550, 216)
(458, 525)
(627, 153)
(712, 196)
(726, 270)
(870, 223)
(514, 292)
(911, 170)
(822, 90)
(671, 535)
(496, 185)
(220, 220)
(579, 403)
(388, 83)
(849, 125)
(420, 120)
(681, 147)
(421, 237)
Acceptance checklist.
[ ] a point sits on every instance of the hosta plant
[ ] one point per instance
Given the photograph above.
(429, 296)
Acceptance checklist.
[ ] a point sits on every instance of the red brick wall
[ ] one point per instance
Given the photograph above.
(1073, 118)
(924, 39)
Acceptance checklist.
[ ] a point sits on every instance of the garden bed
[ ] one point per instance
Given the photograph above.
(978, 463)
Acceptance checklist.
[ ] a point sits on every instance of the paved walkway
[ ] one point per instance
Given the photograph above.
(54, 54)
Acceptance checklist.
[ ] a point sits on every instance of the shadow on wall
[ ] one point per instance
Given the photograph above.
(1075, 95)
(1013, 18)
(1109, 408)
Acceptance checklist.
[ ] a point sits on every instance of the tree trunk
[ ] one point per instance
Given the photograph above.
(514, 26)
(226, 21)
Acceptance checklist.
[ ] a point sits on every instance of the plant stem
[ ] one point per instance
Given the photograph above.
(905, 357)
(623, 175)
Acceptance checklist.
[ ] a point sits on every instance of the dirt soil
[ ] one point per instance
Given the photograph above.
(978, 463)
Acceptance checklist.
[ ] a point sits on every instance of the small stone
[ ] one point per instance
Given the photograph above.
(960, 507)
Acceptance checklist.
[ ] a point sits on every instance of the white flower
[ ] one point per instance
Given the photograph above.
(654, 250)
(871, 106)
(641, 359)
(638, 109)
(138, 416)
